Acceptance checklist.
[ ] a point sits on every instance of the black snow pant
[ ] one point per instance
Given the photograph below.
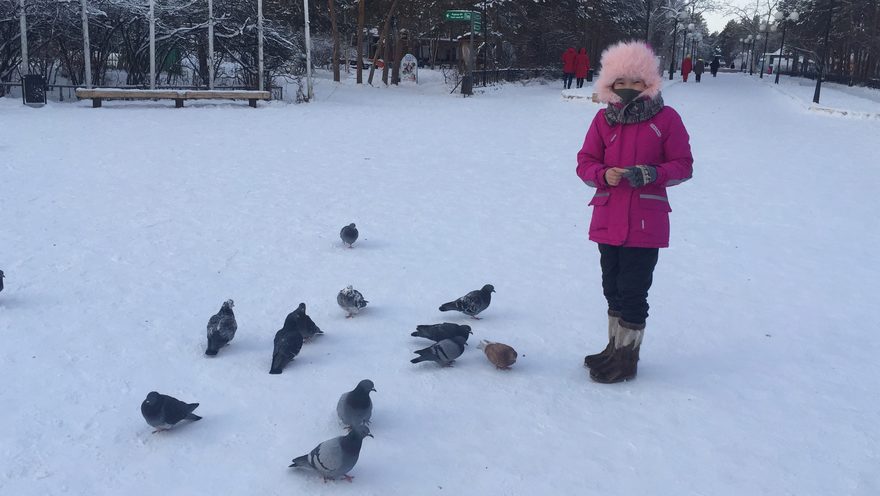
(697, 75)
(580, 82)
(627, 274)
(566, 83)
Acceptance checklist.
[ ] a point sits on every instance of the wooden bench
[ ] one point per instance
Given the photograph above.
(99, 94)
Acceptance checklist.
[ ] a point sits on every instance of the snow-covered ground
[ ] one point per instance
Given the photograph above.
(123, 229)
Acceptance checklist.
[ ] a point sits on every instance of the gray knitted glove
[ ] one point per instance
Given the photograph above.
(640, 175)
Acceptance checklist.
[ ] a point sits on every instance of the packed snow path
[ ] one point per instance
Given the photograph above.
(123, 229)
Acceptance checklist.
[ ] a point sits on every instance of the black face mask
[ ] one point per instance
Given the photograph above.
(627, 95)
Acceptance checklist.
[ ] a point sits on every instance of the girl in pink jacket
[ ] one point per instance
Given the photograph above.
(634, 150)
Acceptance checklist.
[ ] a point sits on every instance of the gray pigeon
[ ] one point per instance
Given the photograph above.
(288, 343)
(164, 412)
(299, 321)
(221, 328)
(1, 280)
(355, 407)
(439, 332)
(443, 352)
(335, 457)
(351, 300)
(349, 234)
(472, 303)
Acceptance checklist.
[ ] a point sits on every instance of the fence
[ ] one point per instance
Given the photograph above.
(67, 92)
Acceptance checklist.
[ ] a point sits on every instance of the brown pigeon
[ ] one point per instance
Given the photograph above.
(501, 355)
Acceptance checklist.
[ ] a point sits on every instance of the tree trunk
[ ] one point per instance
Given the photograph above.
(382, 40)
(335, 33)
(360, 43)
(401, 48)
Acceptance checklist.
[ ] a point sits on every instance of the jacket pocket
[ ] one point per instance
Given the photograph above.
(654, 202)
(600, 198)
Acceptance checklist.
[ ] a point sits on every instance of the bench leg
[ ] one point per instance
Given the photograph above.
(252, 102)
(178, 103)
(96, 102)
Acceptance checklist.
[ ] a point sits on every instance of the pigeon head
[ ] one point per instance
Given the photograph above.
(152, 399)
(366, 385)
(467, 328)
(301, 308)
(228, 304)
(360, 431)
(351, 225)
(488, 288)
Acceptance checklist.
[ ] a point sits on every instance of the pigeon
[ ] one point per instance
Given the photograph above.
(443, 352)
(221, 328)
(164, 412)
(472, 303)
(335, 457)
(355, 407)
(288, 342)
(349, 234)
(1, 280)
(299, 321)
(501, 355)
(351, 300)
(439, 332)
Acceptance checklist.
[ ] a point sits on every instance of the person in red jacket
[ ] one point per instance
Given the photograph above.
(568, 61)
(581, 67)
(635, 149)
(686, 67)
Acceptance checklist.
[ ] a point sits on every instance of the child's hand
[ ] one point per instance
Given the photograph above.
(613, 175)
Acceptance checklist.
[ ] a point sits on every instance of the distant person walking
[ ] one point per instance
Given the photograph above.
(568, 65)
(686, 66)
(714, 65)
(699, 69)
(581, 67)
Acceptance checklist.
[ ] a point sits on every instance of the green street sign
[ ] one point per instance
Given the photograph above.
(462, 15)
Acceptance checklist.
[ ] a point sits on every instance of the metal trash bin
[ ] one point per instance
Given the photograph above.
(33, 90)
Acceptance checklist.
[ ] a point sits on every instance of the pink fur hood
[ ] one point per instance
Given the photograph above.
(632, 59)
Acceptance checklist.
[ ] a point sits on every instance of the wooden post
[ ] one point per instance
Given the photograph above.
(308, 52)
(211, 44)
(152, 45)
(260, 43)
(24, 42)
(87, 51)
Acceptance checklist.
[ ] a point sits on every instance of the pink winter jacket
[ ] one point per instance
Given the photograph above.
(623, 216)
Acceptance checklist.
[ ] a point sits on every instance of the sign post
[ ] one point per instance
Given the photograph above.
(476, 21)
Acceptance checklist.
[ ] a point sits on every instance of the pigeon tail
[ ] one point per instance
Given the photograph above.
(424, 356)
(448, 306)
(193, 417)
(211, 352)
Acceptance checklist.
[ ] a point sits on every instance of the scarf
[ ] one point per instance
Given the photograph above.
(638, 110)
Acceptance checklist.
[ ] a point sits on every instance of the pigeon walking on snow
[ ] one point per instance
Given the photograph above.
(351, 300)
(349, 234)
(500, 354)
(288, 343)
(443, 352)
(334, 458)
(302, 323)
(439, 332)
(355, 407)
(164, 412)
(221, 328)
(472, 303)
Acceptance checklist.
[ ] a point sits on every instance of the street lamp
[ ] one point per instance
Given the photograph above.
(691, 28)
(682, 16)
(781, 18)
(824, 53)
(751, 41)
(763, 28)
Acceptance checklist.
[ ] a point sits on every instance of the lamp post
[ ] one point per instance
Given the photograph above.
(824, 53)
(698, 40)
(681, 16)
(764, 28)
(690, 36)
(755, 40)
(781, 18)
